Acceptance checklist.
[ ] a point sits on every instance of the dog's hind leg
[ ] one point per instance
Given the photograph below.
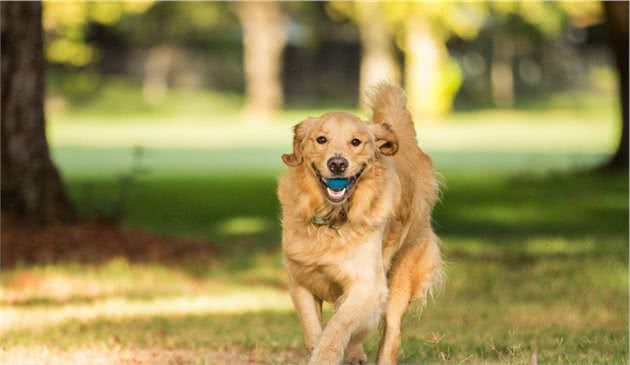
(390, 342)
(412, 275)
(355, 355)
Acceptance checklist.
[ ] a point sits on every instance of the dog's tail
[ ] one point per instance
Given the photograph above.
(389, 105)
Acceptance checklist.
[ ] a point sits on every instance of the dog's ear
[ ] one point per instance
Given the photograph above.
(300, 132)
(385, 138)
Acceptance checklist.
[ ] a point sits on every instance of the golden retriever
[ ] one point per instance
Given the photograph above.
(356, 227)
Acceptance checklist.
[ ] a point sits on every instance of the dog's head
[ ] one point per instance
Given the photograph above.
(338, 148)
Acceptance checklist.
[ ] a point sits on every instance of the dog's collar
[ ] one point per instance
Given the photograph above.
(333, 218)
(326, 221)
(320, 221)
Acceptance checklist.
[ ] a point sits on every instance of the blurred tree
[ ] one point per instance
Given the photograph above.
(67, 22)
(617, 21)
(31, 185)
(186, 30)
(264, 39)
(431, 76)
(529, 20)
(422, 29)
(378, 61)
(513, 22)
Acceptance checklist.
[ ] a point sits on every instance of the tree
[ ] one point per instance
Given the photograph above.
(431, 76)
(617, 21)
(378, 61)
(31, 185)
(264, 39)
(538, 21)
(422, 28)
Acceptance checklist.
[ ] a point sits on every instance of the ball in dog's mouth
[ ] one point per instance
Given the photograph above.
(336, 189)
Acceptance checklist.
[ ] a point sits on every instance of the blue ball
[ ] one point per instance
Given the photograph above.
(337, 183)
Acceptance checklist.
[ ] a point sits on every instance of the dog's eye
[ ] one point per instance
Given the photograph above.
(355, 142)
(321, 140)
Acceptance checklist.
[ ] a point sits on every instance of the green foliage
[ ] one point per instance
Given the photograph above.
(66, 24)
(548, 17)
(448, 79)
(184, 24)
(139, 23)
(461, 18)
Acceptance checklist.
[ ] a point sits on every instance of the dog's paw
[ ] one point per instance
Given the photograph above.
(355, 356)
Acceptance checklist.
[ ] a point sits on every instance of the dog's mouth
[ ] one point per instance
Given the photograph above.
(338, 189)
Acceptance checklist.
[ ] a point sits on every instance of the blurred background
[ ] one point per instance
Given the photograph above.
(141, 145)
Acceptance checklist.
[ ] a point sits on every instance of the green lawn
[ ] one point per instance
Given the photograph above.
(537, 251)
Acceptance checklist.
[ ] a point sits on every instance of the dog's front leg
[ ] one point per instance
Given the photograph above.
(309, 310)
(362, 305)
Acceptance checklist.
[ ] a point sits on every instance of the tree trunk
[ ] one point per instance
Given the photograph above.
(501, 72)
(377, 60)
(425, 55)
(264, 39)
(31, 185)
(617, 21)
(157, 67)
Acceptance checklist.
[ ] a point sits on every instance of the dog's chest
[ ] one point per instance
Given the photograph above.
(329, 267)
(319, 282)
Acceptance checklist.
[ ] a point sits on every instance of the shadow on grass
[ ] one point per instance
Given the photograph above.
(502, 211)
(235, 208)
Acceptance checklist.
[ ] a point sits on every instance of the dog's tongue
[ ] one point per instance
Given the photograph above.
(337, 184)
(336, 194)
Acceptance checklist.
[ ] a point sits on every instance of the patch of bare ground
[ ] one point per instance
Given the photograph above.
(92, 242)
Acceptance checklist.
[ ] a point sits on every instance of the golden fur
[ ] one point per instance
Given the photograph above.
(373, 253)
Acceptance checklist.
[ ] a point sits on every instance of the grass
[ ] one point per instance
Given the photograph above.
(537, 252)
(483, 131)
(536, 265)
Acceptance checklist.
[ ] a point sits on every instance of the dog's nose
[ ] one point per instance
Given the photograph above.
(337, 165)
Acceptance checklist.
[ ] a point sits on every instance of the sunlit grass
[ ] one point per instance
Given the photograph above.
(113, 353)
(516, 133)
(115, 115)
(564, 309)
(243, 226)
(68, 283)
(39, 317)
